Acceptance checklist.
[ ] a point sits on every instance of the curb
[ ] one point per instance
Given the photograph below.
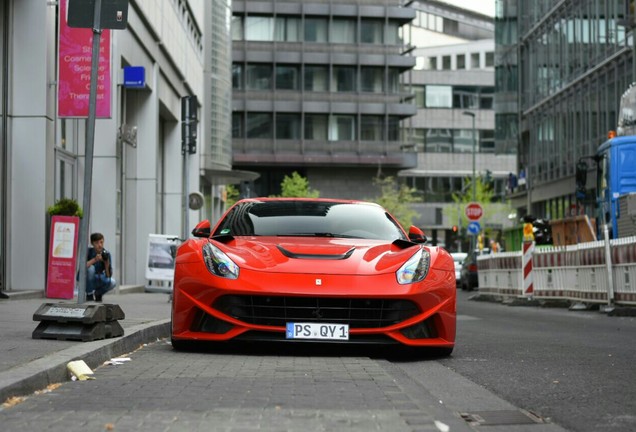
(36, 294)
(36, 375)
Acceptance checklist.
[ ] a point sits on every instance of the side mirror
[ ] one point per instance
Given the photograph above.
(416, 235)
(202, 229)
(581, 178)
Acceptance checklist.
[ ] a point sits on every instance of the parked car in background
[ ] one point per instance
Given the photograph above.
(468, 273)
(458, 260)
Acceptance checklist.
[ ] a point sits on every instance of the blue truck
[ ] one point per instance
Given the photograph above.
(615, 173)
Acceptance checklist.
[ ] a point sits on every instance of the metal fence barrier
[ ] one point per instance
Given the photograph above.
(578, 273)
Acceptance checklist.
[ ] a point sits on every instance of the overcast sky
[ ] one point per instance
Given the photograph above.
(486, 7)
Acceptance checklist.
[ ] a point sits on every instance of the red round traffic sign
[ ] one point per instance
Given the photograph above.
(474, 211)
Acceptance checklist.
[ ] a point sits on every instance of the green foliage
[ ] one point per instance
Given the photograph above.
(484, 195)
(396, 199)
(231, 195)
(65, 207)
(297, 186)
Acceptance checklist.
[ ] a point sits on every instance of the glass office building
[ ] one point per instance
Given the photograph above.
(570, 63)
(318, 88)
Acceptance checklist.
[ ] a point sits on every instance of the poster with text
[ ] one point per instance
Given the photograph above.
(60, 277)
(75, 64)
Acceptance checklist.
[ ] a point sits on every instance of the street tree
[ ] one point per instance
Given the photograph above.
(297, 186)
(231, 195)
(397, 199)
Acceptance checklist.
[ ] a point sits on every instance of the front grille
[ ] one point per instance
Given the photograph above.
(277, 311)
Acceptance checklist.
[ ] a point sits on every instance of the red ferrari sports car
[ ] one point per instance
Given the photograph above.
(301, 269)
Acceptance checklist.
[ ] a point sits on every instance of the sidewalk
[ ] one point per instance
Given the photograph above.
(28, 364)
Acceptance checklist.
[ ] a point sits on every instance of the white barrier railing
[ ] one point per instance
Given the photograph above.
(575, 273)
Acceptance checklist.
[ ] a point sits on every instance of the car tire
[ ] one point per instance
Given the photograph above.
(180, 345)
(442, 352)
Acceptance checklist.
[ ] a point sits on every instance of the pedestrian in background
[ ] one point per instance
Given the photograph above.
(99, 269)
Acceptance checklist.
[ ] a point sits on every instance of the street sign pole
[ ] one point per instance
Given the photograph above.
(113, 16)
(88, 163)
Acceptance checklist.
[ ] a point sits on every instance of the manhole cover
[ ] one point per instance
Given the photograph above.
(503, 417)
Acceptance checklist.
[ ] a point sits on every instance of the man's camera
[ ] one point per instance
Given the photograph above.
(105, 255)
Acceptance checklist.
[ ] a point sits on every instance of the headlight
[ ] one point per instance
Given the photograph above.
(415, 269)
(219, 263)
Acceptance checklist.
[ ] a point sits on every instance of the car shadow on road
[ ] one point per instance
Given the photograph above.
(391, 352)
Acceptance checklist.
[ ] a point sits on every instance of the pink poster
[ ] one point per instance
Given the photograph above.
(60, 278)
(74, 78)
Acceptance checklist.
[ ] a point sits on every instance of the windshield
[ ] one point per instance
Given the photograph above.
(309, 218)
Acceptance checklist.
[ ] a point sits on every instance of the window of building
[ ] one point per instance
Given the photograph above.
(486, 98)
(394, 129)
(259, 28)
(372, 79)
(446, 62)
(259, 125)
(70, 133)
(487, 141)
(287, 77)
(432, 63)
(420, 93)
(258, 77)
(343, 31)
(372, 128)
(287, 29)
(342, 128)
(316, 29)
(287, 126)
(450, 26)
(466, 97)
(237, 27)
(439, 140)
(393, 81)
(490, 59)
(237, 76)
(344, 79)
(372, 31)
(419, 138)
(474, 61)
(316, 127)
(392, 35)
(238, 125)
(439, 96)
(463, 141)
(316, 78)
(461, 61)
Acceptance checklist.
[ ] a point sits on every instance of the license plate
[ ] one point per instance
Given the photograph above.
(320, 331)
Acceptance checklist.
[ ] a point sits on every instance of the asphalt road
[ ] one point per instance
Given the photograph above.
(576, 368)
(572, 370)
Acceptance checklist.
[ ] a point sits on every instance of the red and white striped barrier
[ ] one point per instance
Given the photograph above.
(528, 286)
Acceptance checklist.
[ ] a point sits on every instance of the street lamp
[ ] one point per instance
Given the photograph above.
(472, 115)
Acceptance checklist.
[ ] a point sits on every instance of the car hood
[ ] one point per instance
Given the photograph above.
(317, 255)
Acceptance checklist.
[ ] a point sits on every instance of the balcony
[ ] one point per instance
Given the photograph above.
(396, 154)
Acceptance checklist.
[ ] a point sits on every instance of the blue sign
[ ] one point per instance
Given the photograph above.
(474, 228)
(134, 77)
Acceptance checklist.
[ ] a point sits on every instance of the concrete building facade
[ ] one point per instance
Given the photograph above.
(140, 176)
(319, 88)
